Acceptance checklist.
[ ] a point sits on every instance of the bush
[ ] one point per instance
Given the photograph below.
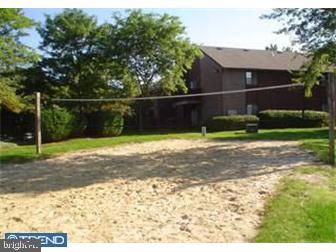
(56, 124)
(14, 126)
(270, 119)
(232, 122)
(79, 125)
(105, 124)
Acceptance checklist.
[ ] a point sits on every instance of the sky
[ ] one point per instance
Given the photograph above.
(240, 28)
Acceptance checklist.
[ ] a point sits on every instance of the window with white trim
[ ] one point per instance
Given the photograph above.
(248, 78)
(193, 84)
(251, 109)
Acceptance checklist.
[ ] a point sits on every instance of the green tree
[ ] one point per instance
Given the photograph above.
(153, 51)
(74, 61)
(314, 31)
(137, 54)
(14, 56)
(275, 48)
(272, 47)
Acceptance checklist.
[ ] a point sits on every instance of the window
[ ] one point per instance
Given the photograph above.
(193, 84)
(232, 112)
(252, 109)
(248, 78)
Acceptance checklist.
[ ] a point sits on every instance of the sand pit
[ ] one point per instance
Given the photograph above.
(165, 191)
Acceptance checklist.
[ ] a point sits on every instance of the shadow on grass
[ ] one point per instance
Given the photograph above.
(192, 167)
(20, 158)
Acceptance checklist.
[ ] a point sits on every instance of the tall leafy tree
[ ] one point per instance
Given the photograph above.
(14, 56)
(74, 61)
(136, 54)
(153, 51)
(314, 31)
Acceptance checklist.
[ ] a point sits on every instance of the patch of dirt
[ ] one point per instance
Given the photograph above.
(164, 191)
(318, 179)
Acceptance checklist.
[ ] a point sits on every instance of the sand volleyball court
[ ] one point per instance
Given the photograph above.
(164, 191)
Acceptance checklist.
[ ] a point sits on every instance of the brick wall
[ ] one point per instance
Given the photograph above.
(233, 79)
(289, 98)
(211, 77)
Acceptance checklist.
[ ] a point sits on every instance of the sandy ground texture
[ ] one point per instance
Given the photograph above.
(164, 191)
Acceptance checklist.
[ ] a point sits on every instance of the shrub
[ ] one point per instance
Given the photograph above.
(5, 145)
(292, 119)
(232, 122)
(105, 124)
(79, 125)
(14, 126)
(56, 124)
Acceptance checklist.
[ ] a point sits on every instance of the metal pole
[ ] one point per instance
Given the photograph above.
(38, 136)
(331, 100)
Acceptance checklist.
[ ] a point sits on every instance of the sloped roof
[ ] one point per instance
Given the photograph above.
(254, 59)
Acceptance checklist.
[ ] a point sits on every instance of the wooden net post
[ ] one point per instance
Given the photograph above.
(331, 101)
(38, 136)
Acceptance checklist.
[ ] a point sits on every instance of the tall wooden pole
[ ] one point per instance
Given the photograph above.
(331, 101)
(38, 136)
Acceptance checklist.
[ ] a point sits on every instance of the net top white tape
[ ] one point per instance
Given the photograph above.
(178, 96)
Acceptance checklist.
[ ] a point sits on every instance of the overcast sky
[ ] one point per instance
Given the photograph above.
(240, 28)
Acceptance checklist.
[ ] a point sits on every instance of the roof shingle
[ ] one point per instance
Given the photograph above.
(254, 59)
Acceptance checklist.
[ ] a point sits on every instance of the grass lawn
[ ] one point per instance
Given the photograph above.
(27, 152)
(303, 210)
(314, 139)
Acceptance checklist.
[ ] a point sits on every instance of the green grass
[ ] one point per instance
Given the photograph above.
(27, 152)
(309, 137)
(314, 139)
(302, 211)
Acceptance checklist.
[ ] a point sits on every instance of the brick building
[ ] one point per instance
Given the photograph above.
(222, 69)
